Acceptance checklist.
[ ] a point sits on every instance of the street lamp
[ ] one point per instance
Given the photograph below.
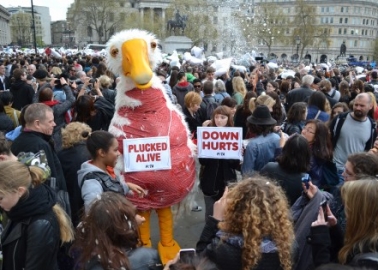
(298, 42)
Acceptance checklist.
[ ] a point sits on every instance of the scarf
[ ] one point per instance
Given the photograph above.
(52, 103)
(39, 201)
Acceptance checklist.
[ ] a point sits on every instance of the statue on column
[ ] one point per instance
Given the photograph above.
(179, 22)
(343, 49)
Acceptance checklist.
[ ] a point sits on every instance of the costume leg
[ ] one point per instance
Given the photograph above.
(167, 247)
(144, 229)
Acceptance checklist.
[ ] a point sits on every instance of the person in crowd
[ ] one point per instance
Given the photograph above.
(36, 136)
(108, 237)
(356, 88)
(95, 111)
(353, 132)
(97, 175)
(208, 103)
(217, 173)
(272, 86)
(344, 92)
(231, 104)
(197, 84)
(284, 90)
(239, 88)
(61, 110)
(262, 100)
(105, 84)
(22, 92)
(291, 165)
(318, 137)
(242, 113)
(255, 230)
(6, 123)
(325, 86)
(190, 262)
(261, 149)
(4, 80)
(31, 69)
(74, 153)
(278, 110)
(210, 75)
(334, 93)
(163, 77)
(330, 245)
(5, 152)
(301, 94)
(338, 108)
(358, 166)
(172, 80)
(191, 112)
(181, 88)
(296, 118)
(37, 224)
(220, 91)
(316, 107)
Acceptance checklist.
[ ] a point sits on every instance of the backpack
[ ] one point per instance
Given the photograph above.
(210, 107)
(105, 180)
(369, 259)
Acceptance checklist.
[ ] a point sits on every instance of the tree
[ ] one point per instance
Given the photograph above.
(98, 17)
(200, 27)
(267, 23)
(305, 26)
(21, 28)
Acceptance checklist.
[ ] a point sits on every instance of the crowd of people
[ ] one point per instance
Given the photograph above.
(317, 125)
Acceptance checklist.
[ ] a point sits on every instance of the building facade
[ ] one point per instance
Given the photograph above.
(22, 25)
(352, 22)
(5, 34)
(62, 35)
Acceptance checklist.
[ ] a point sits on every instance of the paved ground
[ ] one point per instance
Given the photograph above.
(188, 228)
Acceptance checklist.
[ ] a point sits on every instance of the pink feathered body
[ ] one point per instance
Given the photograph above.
(152, 119)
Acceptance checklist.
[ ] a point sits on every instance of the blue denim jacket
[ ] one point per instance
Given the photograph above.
(259, 152)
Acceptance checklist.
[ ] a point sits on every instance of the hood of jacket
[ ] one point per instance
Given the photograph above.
(182, 86)
(87, 167)
(18, 84)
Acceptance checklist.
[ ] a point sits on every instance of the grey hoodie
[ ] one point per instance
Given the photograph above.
(91, 188)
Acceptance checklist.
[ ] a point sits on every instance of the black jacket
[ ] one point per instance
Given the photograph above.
(193, 121)
(227, 256)
(22, 93)
(6, 124)
(216, 174)
(71, 160)
(32, 141)
(298, 95)
(31, 238)
(5, 84)
(104, 114)
(109, 95)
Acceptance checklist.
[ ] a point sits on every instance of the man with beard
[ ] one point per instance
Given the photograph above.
(353, 132)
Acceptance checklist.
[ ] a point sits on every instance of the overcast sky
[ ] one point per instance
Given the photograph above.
(58, 8)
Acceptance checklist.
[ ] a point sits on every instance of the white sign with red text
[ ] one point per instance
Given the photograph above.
(219, 142)
(146, 154)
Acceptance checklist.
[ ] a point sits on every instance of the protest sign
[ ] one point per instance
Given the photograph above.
(219, 142)
(146, 154)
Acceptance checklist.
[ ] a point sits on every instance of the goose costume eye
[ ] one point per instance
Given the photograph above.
(114, 52)
(153, 45)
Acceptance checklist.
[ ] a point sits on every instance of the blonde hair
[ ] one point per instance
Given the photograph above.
(261, 100)
(73, 134)
(105, 81)
(258, 208)
(362, 217)
(238, 86)
(56, 71)
(14, 174)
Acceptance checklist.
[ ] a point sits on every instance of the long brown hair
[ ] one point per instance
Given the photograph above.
(223, 110)
(322, 145)
(107, 231)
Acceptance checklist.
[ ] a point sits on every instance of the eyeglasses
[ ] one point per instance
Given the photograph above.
(308, 130)
(197, 86)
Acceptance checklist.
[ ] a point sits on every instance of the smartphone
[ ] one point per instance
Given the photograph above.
(306, 180)
(187, 254)
(323, 204)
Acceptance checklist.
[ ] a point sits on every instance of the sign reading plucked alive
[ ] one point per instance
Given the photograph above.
(147, 154)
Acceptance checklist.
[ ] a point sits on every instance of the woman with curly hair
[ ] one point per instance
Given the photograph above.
(255, 230)
(73, 154)
(239, 88)
(108, 238)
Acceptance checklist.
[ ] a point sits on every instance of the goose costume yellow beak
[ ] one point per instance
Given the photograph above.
(135, 63)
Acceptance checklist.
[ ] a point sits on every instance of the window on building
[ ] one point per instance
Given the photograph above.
(355, 43)
(340, 31)
(345, 20)
(352, 32)
(363, 21)
(345, 31)
(341, 20)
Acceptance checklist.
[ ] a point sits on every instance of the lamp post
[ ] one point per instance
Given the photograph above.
(33, 26)
(298, 42)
